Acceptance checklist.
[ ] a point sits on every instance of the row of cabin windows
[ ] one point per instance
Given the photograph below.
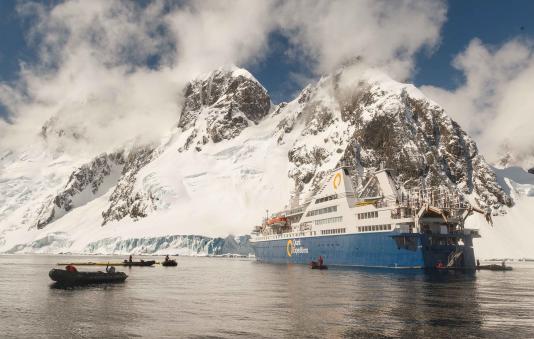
(368, 215)
(328, 198)
(333, 231)
(374, 228)
(322, 211)
(328, 221)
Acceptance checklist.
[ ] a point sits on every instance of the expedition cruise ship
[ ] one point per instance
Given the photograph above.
(382, 225)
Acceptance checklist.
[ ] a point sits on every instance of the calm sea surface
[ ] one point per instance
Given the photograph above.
(228, 298)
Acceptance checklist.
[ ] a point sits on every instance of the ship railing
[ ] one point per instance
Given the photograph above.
(440, 198)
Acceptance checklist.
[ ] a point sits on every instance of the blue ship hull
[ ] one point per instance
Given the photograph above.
(381, 249)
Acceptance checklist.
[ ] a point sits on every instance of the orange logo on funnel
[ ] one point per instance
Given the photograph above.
(337, 180)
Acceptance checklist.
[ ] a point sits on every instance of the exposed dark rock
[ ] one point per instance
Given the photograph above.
(124, 201)
(88, 177)
(229, 102)
(305, 162)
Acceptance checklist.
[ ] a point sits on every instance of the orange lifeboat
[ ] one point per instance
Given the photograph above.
(277, 221)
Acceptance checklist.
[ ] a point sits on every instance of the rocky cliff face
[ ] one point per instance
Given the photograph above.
(232, 153)
(86, 183)
(219, 106)
(124, 201)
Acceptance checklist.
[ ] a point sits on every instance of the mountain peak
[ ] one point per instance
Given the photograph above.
(219, 105)
(230, 70)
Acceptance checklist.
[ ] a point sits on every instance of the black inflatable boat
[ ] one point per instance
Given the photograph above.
(82, 278)
(314, 265)
(170, 262)
(494, 267)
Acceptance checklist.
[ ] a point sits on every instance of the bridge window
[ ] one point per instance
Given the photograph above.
(327, 198)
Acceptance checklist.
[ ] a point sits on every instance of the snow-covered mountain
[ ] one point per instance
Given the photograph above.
(231, 155)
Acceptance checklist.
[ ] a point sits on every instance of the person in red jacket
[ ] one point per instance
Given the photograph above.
(71, 268)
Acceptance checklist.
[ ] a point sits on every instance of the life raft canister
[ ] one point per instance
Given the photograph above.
(276, 220)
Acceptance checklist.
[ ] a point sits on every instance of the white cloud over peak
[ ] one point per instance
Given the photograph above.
(496, 103)
(110, 72)
(385, 34)
(214, 33)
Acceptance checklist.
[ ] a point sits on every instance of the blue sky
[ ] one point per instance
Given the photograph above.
(12, 45)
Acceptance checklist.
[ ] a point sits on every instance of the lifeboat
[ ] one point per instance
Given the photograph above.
(277, 221)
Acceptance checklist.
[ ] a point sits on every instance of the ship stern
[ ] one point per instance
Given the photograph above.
(451, 251)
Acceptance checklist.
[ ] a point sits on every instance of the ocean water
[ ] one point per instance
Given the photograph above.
(229, 298)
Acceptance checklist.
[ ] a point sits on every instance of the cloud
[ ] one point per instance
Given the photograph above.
(381, 34)
(495, 104)
(214, 33)
(110, 72)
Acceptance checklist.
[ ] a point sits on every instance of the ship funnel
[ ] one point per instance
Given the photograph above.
(339, 182)
(387, 185)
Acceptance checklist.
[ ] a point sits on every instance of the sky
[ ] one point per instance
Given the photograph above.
(84, 59)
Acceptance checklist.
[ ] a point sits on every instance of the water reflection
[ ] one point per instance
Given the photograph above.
(88, 311)
(360, 302)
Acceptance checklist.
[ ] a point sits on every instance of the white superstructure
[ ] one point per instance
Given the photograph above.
(379, 206)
